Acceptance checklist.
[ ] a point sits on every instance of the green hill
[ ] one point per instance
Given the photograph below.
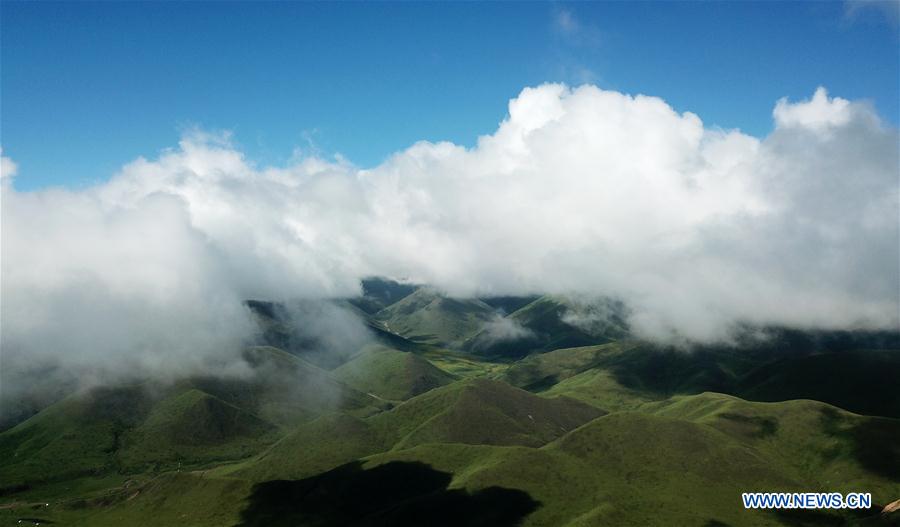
(553, 322)
(541, 371)
(473, 412)
(862, 381)
(128, 430)
(814, 441)
(682, 461)
(74, 437)
(315, 447)
(481, 411)
(427, 316)
(417, 430)
(615, 376)
(196, 421)
(285, 389)
(508, 304)
(196, 427)
(621, 374)
(391, 374)
(379, 293)
(324, 332)
(858, 380)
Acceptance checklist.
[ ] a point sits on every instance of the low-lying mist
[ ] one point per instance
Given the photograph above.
(697, 230)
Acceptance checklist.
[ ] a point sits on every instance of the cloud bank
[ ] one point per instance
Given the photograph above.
(579, 190)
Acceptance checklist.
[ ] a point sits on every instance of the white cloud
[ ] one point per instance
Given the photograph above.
(8, 169)
(502, 329)
(579, 190)
(818, 113)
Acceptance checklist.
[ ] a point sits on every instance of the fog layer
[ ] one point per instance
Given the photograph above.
(578, 190)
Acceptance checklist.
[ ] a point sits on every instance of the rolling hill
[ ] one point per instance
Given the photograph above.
(391, 374)
(579, 426)
(429, 317)
(152, 426)
(379, 293)
(551, 322)
(481, 411)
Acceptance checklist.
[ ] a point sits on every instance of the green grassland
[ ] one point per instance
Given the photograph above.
(391, 374)
(428, 317)
(413, 429)
(680, 461)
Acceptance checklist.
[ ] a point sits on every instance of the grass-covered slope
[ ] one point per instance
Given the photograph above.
(196, 427)
(473, 411)
(481, 411)
(862, 381)
(315, 447)
(812, 441)
(391, 374)
(127, 430)
(427, 316)
(420, 434)
(74, 437)
(199, 420)
(611, 376)
(284, 389)
(379, 293)
(552, 322)
(682, 461)
(540, 371)
(621, 374)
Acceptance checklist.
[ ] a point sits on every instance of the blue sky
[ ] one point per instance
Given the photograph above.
(85, 88)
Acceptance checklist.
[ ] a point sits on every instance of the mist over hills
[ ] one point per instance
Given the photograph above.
(611, 429)
(603, 312)
(366, 264)
(681, 231)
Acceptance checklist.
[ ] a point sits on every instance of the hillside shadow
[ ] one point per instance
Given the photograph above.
(873, 442)
(394, 494)
(662, 372)
(787, 366)
(752, 426)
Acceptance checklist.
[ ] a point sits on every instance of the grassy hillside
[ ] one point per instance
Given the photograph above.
(552, 322)
(314, 447)
(621, 374)
(285, 389)
(195, 427)
(391, 374)
(417, 431)
(587, 374)
(508, 304)
(427, 316)
(131, 429)
(379, 293)
(814, 441)
(862, 381)
(634, 468)
(540, 371)
(74, 437)
(481, 411)
(682, 461)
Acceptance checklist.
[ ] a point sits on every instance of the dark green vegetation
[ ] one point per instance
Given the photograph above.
(563, 420)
